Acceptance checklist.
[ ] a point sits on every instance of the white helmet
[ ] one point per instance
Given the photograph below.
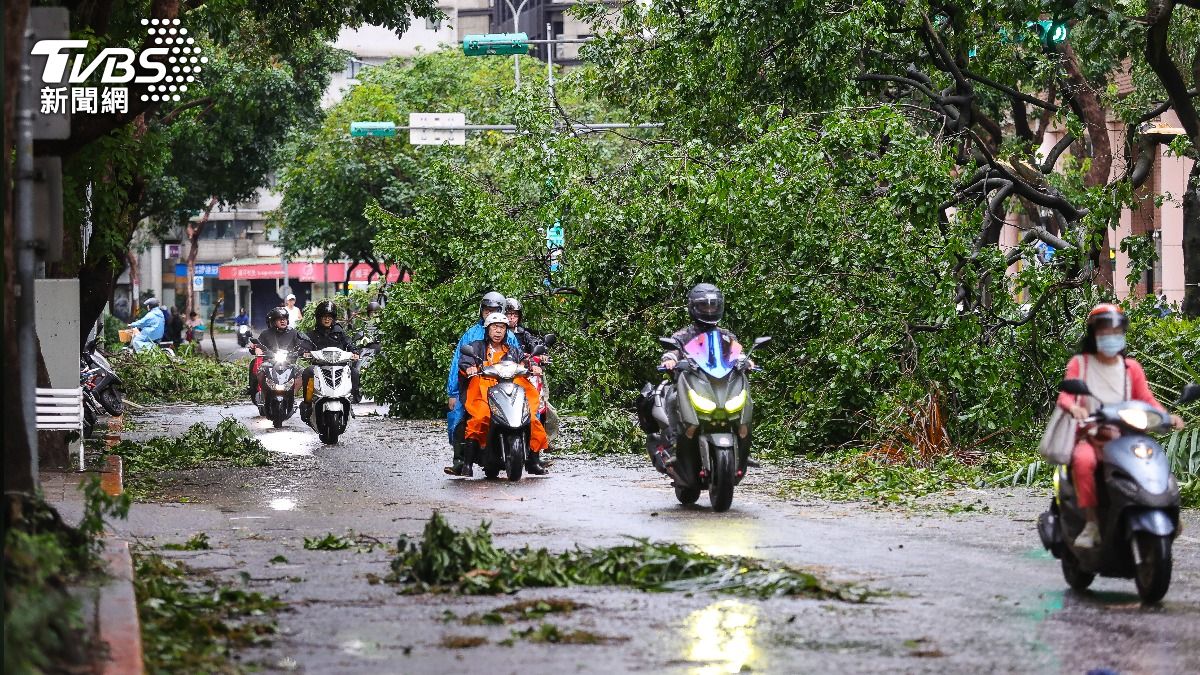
(495, 317)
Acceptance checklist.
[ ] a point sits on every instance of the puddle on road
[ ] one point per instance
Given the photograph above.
(720, 638)
(282, 504)
(723, 537)
(286, 442)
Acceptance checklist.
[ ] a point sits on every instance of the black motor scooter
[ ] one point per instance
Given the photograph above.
(1138, 501)
(711, 397)
(276, 398)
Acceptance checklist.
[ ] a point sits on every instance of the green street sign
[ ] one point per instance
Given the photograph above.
(494, 44)
(372, 128)
(1051, 32)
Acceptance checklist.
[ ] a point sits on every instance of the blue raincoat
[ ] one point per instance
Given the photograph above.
(152, 327)
(455, 416)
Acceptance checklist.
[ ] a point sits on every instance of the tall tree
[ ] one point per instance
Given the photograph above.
(986, 75)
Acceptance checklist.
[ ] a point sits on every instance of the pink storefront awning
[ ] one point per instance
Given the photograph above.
(302, 271)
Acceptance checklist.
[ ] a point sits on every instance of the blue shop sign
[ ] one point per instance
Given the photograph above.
(202, 269)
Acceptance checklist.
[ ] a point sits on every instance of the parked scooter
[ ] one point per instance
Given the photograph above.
(243, 335)
(278, 402)
(508, 434)
(1139, 501)
(368, 348)
(99, 380)
(712, 395)
(332, 387)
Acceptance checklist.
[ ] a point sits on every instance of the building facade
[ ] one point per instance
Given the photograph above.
(238, 263)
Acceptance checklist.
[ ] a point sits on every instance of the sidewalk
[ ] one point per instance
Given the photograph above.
(109, 609)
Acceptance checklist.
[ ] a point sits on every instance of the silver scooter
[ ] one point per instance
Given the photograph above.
(508, 434)
(1138, 501)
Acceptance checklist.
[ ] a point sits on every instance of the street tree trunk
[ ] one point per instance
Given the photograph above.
(1191, 243)
(194, 230)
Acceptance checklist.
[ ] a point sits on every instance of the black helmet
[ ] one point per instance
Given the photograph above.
(491, 302)
(373, 307)
(151, 302)
(706, 304)
(512, 305)
(326, 308)
(275, 315)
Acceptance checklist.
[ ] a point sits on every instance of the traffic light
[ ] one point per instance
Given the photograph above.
(372, 128)
(1050, 31)
(494, 44)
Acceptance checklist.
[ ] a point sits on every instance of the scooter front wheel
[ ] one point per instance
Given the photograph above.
(1153, 573)
(720, 489)
(514, 448)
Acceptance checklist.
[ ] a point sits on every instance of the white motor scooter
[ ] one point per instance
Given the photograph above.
(332, 389)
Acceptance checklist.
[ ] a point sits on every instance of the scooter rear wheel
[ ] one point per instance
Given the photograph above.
(110, 398)
(1153, 575)
(687, 495)
(1076, 578)
(277, 422)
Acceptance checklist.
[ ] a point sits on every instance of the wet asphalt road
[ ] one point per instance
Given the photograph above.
(968, 592)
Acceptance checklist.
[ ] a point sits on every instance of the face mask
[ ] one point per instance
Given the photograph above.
(1110, 345)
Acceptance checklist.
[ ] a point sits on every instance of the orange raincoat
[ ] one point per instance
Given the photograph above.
(480, 414)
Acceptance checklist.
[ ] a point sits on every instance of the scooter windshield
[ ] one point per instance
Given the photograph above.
(714, 354)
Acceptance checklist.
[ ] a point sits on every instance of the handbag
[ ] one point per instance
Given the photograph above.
(1058, 441)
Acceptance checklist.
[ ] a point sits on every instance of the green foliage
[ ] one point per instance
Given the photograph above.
(43, 559)
(330, 542)
(191, 626)
(152, 376)
(613, 431)
(467, 562)
(854, 476)
(826, 238)
(228, 442)
(197, 542)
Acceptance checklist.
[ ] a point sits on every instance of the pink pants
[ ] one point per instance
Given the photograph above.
(1083, 473)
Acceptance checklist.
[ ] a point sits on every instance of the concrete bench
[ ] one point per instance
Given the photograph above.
(61, 410)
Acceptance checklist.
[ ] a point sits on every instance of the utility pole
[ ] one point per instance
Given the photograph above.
(26, 256)
(516, 59)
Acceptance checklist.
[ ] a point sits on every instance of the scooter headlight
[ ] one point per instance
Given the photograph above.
(701, 403)
(280, 357)
(1142, 450)
(737, 402)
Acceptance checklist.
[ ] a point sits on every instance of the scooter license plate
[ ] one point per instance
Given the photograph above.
(333, 406)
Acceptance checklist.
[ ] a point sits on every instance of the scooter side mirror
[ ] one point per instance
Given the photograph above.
(667, 342)
(1191, 392)
(538, 350)
(759, 341)
(549, 339)
(1077, 387)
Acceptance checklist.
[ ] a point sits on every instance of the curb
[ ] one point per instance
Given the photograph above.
(117, 615)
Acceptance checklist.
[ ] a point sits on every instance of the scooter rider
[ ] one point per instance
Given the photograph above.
(530, 339)
(327, 333)
(492, 350)
(150, 327)
(706, 307)
(277, 337)
(1112, 377)
(455, 399)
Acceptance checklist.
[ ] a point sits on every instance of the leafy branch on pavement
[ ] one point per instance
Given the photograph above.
(152, 376)
(467, 562)
(197, 542)
(193, 627)
(228, 442)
